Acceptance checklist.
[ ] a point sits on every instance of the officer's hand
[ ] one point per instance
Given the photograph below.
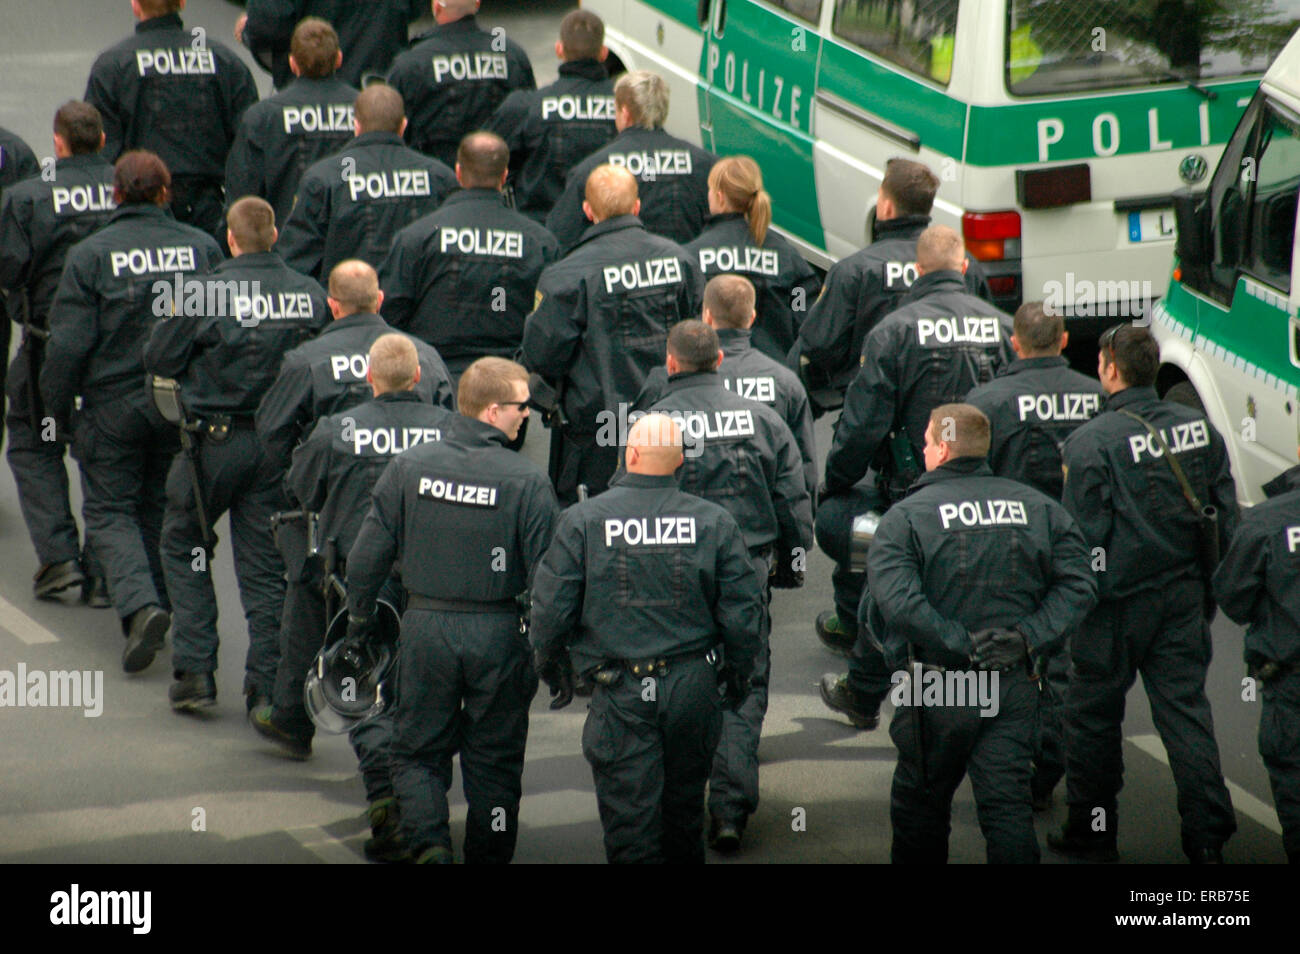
(784, 577)
(735, 687)
(557, 673)
(361, 628)
(998, 648)
(239, 28)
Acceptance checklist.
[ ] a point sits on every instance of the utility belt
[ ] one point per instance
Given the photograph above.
(414, 601)
(609, 673)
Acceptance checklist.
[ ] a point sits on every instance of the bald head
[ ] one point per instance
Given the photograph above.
(449, 11)
(654, 446)
(611, 191)
(379, 108)
(939, 248)
(354, 289)
(394, 364)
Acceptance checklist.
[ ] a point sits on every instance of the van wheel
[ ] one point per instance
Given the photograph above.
(1184, 393)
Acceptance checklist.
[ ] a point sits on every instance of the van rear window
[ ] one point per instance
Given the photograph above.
(917, 35)
(1067, 46)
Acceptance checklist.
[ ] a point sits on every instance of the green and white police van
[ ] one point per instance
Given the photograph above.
(1228, 328)
(1059, 128)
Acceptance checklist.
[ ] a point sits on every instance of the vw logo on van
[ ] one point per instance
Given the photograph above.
(1193, 169)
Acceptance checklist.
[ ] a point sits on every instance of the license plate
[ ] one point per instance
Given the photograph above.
(1151, 225)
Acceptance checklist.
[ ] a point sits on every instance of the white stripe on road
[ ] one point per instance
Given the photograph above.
(325, 846)
(23, 626)
(1257, 811)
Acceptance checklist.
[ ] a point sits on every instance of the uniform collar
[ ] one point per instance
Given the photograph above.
(359, 320)
(1284, 482)
(692, 379)
(650, 481)
(1033, 364)
(398, 397)
(900, 227)
(252, 260)
(475, 195)
(947, 279)
(957, 467)
(615, 224)
(1129, 396)
(376, 139)
(140, 209)
(168, 21)
(473, 431)
(591, 69)
(466, 24)
(723, 217)
(83, 159)
(734, 340)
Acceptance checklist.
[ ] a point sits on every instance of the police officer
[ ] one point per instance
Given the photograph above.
(352, 204)
(746, 371)
(864, 287)
(39, 221)
(601, 323)
(17, 162)
(741, 456)
(640, 584)
(1033, 406)
(673, 174)
(463, 278)
(454, 77)
(225, 354)
(468, 520)
(737, 239)
(1258, 585)
(1153, 555)
(370, 34)
(332, 476)
(931, 351)
(969, 572)
(177, 93)
(552, 129)
(115, 286)
(280, 137)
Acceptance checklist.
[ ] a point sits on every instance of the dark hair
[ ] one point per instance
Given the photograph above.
(1133, 351)
(911, 185)
(1037, 329)
(314, 47)
(582, 34)
(80, 126)
(140, 176)
(694, 344)
(483, 158)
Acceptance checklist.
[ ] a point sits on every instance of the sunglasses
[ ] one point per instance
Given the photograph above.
(1107, 340)
(513, 403)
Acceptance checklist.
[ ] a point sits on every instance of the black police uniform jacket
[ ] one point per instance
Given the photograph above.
(603, 315)
(551, 130)
(1258, 582)
(280, 137)
(227, 358)
(353, 203)
(464, 518)
(749, 373)
(785, 285)
(327, 375)
(1032, 407)
(740, 455)
(863, 288)
(464, 277)
(17, 161)
(672, 181)
(452, 80)
(174, 92)
(1124, 495)
(116, 285)
(40, 221)
(929, 352)
(335, 469)
(965, 551)
(642, 571)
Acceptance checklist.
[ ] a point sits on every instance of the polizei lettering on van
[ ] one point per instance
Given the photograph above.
(82, 198)
(964, 330)
(142, 261)
(470, 66)
(391, 184)
(183, 62)
(647, 274)
(456, 492)
(1180, 438)
(567, 108)
(323, 117)
(1058, 407)
(656, 162)
(496, 242)
(651, 531)
(984, 513)
(759, 261)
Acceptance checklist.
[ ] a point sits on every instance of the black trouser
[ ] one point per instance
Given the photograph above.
(41, 476)
(236, 477)
(650, 756)
(996, 750)
(1279, 746)
(1049, 754)
(464, 684)
(578, 459)
(1162, 634)
(125, 449)
(201, 202)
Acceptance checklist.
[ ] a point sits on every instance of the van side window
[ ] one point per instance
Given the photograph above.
(917, 36)
(810, 10)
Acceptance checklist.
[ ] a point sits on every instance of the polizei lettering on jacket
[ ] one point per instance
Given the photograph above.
(83, 198)
(578, 107)
(456, 492)
(497, 242)
(651, 531)
(984, 513)
(322, 117)
(647, 274)
(390, 441)
(1058, 407)
(762, 390)
(390, 184)
(183, 62)
(1180, 437)
(699, 425)
(759, 261)
(142, 261)
(653, 162)
(1293, 539)
(471, 66)
(953, 330)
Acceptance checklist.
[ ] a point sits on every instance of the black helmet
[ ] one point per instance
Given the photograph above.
(345, 686)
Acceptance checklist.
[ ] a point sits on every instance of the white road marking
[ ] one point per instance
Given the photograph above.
(1257, 811)
(23, 626)
(325, 846)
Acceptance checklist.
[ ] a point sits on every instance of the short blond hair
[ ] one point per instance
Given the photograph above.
(394, 362)
(354, 284)
(940, 248)
(645, 94)
(966, 426)
(611, 191)
(486, 382)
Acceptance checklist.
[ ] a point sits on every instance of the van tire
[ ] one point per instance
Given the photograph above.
(1185, 393)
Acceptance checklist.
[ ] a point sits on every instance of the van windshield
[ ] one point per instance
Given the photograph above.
(1068, 46)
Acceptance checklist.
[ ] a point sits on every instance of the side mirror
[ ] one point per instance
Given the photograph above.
(1191, 215)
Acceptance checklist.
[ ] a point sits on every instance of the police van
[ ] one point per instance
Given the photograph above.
(1228, 328)
(1059, 128)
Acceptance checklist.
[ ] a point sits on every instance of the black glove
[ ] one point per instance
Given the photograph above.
(826, 493)
(783, 577)
(998, 648)
(1263, 671)
(557, 673)
(360, 628)
(734, 687)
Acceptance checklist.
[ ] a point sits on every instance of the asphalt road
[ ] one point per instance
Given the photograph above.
(137, 783)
